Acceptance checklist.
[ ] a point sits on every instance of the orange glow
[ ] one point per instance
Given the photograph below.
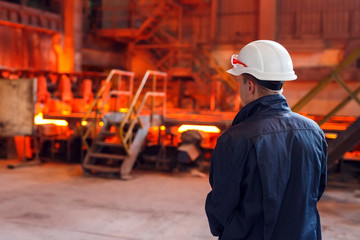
(39, 120)
(123, 110)
(162, 128)
(65, 112)
(101, 124)
(335, 126)
(84, 123)
(352, 155)
(203, 128)
(331, 135)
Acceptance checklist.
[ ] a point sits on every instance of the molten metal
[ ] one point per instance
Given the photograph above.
(203, 128)
(39, 120)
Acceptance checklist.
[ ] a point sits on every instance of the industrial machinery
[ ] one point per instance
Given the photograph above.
(111, 130)
(96, 118)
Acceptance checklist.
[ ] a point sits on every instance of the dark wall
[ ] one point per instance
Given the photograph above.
(319, 19)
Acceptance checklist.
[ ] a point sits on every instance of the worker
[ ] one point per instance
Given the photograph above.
(268, 170)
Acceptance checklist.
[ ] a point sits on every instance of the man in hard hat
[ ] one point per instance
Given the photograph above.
(268, 170)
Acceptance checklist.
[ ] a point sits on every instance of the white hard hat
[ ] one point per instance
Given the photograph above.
(264, 59)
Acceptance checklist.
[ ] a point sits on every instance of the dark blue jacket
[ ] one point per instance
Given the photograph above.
(268, 171)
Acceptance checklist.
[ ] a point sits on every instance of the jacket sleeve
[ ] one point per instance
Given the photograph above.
(323, 175)
(224, 197)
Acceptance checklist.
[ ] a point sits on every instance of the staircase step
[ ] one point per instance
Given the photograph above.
(108, 144)
(108, 156)
(101, 168)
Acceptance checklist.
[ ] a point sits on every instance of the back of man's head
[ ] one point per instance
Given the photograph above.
(264, 87)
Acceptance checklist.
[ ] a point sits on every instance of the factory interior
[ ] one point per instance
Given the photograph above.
(110, 110)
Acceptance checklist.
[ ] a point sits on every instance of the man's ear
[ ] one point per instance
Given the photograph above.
(251, 87)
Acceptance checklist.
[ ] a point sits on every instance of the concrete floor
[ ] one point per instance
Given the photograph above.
(55, 201)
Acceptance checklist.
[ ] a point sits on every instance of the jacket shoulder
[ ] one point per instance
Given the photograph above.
(262, 125)
(304, 122)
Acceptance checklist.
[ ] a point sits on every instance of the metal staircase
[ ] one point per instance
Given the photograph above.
(116, 146)
(136, 22)
(153, 38)
(111, 88)
(166, 52)
(146, 30)
(151, 25)
(347, 139)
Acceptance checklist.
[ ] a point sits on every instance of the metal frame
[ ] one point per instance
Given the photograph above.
(334, 75)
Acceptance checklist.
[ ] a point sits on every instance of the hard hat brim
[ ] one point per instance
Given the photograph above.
(237, 71)
(234, 71)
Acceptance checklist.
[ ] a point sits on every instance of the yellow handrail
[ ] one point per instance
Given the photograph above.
(126, 136)
(93, 106)
(103, 87)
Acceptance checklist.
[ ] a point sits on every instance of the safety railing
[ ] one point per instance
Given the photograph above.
(95, 111)
(334, 75)
(134, 113)
(27, 17)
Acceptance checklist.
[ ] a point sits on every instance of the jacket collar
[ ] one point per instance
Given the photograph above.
(275, 103)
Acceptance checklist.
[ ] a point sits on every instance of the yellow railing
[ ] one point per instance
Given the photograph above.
(95, 111)
(133, 114)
